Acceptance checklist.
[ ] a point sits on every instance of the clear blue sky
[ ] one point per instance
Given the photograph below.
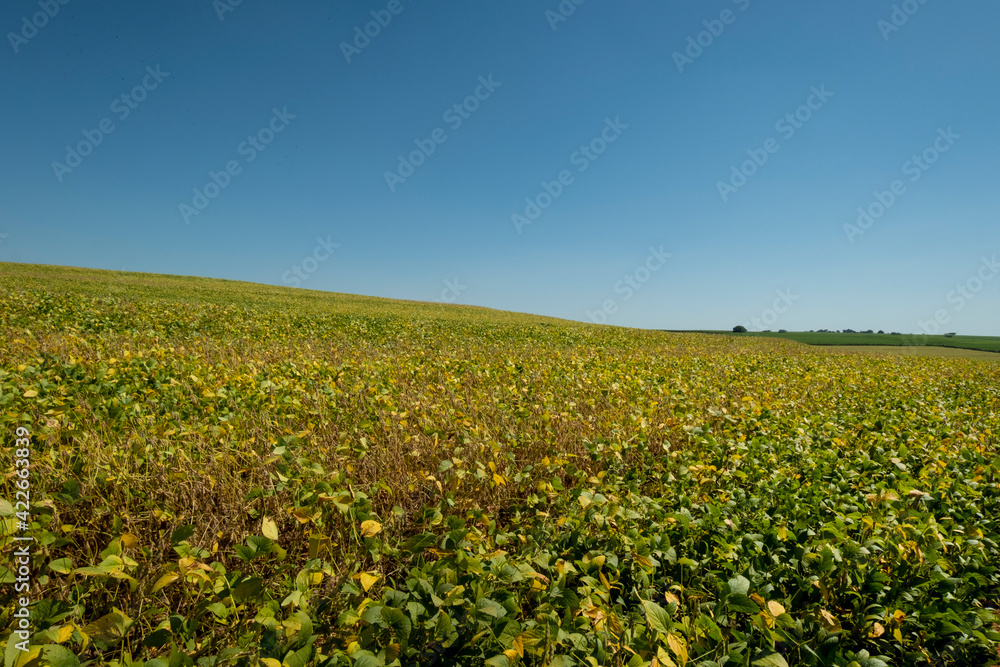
(678, 127)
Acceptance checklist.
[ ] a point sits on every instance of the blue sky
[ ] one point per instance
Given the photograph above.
(650, 226)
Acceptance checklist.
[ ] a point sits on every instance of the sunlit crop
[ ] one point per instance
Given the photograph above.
(229, 474)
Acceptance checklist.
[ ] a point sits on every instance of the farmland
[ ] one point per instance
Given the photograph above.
(232, 474)
(916, 350)
(981, 343)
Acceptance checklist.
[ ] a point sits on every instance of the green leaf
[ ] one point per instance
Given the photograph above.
(179, 658)
(372, 614)
(498, 661)
(57, 656)
(300, 626)
(398, 621)
(656, 616)
(259, 544)
(248, 589)
(511, 630)
(218, 609)
(299, 658)
(773, 660)
(12, 653)
(245, 552)
(367, 659)
(740, 602)
(181, 534)
(706, 622)
(490, 608)
(739, 585)
(347, 618)
(418, 543)
(109, 629)
(873, 662)
(157, 639)
(6, 509)
(61, 565)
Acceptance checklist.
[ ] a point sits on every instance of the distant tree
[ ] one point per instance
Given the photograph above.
(880, 331)
(949, 335)
(739, 329)
(849, 331)
(782, 330)
(895, 333)
(869, 331)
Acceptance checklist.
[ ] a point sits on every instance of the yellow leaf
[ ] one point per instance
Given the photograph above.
(499, 480)
(269, 529)
(775, 608)
(519, 646)
(304, 514)
(877, 631)
(671, 598)
(270, 662)
(61, 633)
(829, 621)
(165, 580)
(664, 658)
(27, 658)
(129, 540)
(678, 646)
(370, 528)
(367, 580)
(31, 393)
(392, 652)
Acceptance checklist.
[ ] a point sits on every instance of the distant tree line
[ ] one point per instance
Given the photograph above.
(743, 329)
